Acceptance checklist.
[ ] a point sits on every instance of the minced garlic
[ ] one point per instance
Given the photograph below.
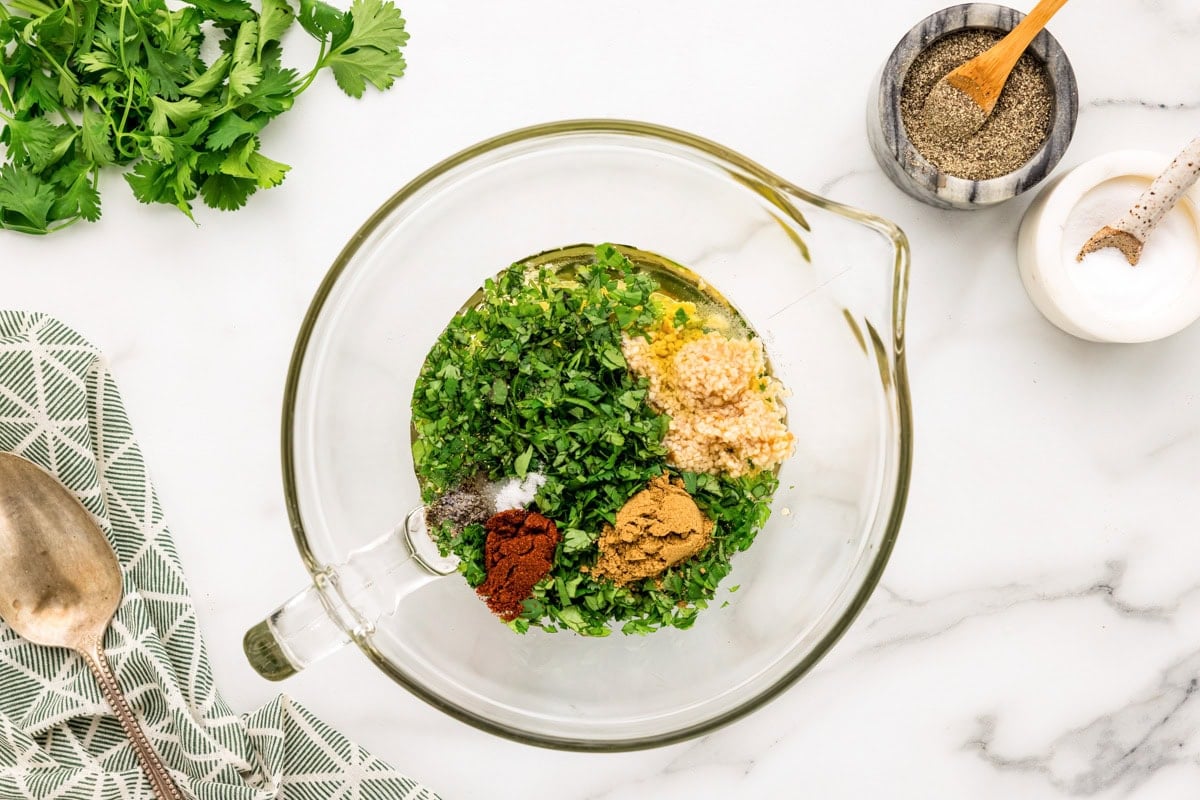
(727, 414)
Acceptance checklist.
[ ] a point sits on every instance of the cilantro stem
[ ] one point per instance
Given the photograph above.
(66, 224)
(35, 8)
(311, 76)
(74, 14)
(12, 103)
(57, 66)
(119, 134)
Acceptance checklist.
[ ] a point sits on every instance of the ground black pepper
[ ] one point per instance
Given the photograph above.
(1014, 132)
(950, 114)
(466, 504)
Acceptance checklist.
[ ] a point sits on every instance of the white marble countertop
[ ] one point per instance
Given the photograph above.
(1037, 634)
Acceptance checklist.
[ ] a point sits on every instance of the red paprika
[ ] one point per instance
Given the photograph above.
(518, 552)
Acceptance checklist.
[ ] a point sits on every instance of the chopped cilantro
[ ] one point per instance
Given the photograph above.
(571, 410)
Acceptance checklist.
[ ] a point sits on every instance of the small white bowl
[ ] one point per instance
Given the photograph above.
(1048, 280)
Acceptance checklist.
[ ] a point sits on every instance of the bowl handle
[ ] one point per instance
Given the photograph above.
(345, 601)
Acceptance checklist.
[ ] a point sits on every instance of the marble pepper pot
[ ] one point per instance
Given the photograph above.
(905, 165)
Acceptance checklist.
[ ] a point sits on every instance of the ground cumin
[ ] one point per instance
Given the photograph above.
(659, 527)
(518, 552)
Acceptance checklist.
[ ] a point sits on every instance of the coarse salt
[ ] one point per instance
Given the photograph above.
(517, 492)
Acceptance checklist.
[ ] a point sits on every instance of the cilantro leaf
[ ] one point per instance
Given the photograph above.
(95, 138)
(180, 112)
(87, 85)
(257, 167)
(97, 61)
(375, 23)
(32, 139)
(210, 79)
(225, 12)
(521, 465)
(246, 71)
(25, 200)
(274, 93)
(39, 92)
(243, 77)
(575, 540)
(163, 148)
(370, 51)
(276, 17)
(322, 20)
(226, 192)
(68, 89)
(80, 199)
(354, 69)
(230, 127)
(173, 183)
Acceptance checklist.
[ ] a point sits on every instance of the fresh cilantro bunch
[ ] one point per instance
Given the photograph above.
(533, 379)
(85, 84)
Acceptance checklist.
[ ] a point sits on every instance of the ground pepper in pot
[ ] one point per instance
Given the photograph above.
(1015, 131)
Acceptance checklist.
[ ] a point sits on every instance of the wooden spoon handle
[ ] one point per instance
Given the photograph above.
(160, 778)
(1020, 37)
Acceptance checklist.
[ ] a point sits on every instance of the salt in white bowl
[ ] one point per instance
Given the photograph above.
(1103, 298)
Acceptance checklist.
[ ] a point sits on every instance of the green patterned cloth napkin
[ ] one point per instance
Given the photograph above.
(60, 408)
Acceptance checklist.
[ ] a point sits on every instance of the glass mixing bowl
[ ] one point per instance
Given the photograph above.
(823, 284)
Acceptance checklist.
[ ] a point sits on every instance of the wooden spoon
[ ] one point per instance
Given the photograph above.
(60, 585)
(963, 100)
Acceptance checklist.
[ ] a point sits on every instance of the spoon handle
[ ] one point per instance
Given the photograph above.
(1028, 28)
(164, 785)
(983, 77)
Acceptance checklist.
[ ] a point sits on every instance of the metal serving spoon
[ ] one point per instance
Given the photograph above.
(60, 585)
